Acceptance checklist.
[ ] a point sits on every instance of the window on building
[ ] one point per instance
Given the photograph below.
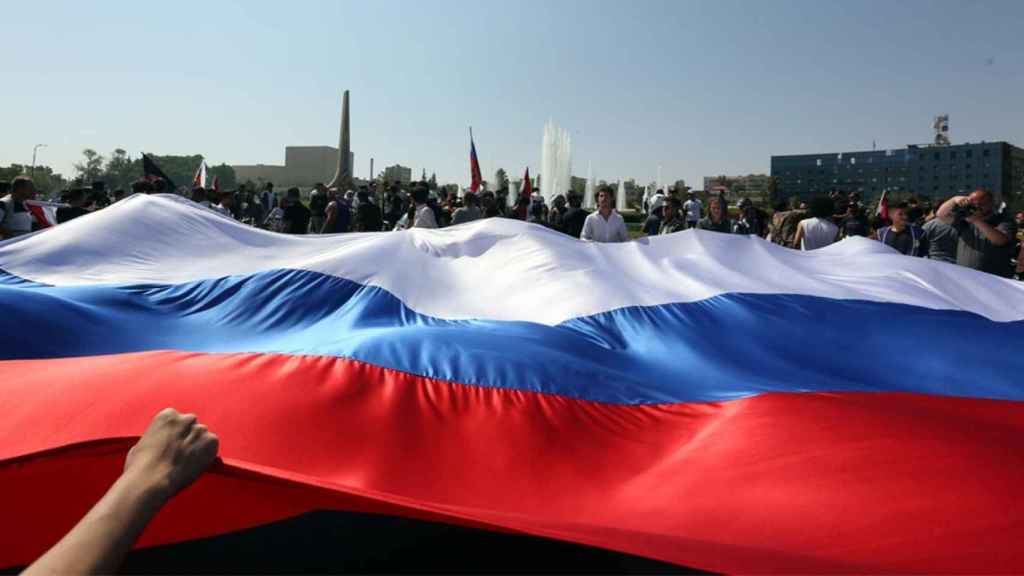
(985, 153)
(936, 156)
(952, 154)
(969, 154)
(853, 160)
(819, 161)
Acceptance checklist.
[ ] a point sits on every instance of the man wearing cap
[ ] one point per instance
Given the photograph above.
(673, 220)
(652, 226)
(318, 207)
(750, 221)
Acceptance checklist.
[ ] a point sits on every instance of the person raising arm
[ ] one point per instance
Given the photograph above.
(985, 237)
(174, 451)
(981, 201)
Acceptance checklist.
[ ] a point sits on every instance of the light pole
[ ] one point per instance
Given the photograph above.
(32, 172)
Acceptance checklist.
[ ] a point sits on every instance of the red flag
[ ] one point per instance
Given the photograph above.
(45, 213)
(525, 191)
(883, 206)
(199, 180)
(216, 184)
(474, 165)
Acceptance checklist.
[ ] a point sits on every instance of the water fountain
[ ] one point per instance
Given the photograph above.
(620, 198)
(589, 199)
(555, 162)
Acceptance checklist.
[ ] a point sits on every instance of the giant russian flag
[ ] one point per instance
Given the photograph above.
(705, 399)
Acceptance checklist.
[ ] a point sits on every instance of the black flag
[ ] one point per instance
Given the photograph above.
(151, 172)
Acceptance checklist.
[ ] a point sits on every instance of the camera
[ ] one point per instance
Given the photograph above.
(961, 211)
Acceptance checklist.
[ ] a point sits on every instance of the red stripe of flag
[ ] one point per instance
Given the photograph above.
(474, 166)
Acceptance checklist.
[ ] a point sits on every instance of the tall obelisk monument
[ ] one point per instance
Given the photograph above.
(343, 175)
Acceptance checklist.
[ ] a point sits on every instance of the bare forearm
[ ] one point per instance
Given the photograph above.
(945, 212)
(993, 234)
(100, 540)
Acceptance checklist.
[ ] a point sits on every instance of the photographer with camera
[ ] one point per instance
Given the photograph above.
(986, 237)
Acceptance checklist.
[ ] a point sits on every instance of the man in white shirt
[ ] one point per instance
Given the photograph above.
(817, 231)
(226, 206)
(605, 225)
(268, 198)
(16, 219)
(424, 214)
(694, 210)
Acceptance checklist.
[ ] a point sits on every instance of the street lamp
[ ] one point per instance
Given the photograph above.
(34, 149)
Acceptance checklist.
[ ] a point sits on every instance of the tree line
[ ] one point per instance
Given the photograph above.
(118, 170)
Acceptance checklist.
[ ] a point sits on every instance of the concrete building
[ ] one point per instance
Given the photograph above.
(925, 170)
(304, 166)
(398, 173)
(757, 187)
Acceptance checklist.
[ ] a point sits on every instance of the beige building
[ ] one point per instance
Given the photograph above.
(398, 173)
(753, 186)
(304, 166)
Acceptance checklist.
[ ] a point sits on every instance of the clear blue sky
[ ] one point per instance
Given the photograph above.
(700, 88)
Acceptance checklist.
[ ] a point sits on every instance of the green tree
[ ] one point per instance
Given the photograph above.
(11, 172)
(91, 168)
(773, 189)
(120, 172)
(48, 183)
(225, 176)
(577, 185)
(181, 170)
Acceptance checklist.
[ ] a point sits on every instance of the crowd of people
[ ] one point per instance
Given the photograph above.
(968, 230)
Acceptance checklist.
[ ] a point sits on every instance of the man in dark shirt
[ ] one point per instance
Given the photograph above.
(751, 221)
(854, 223)
(942, 238)
(986, 237)
(652, 226)
(338, 214)
(575, 216)
(368, 216)
(908, 239)
(296, 216)
(76, 199)
(673, 220)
